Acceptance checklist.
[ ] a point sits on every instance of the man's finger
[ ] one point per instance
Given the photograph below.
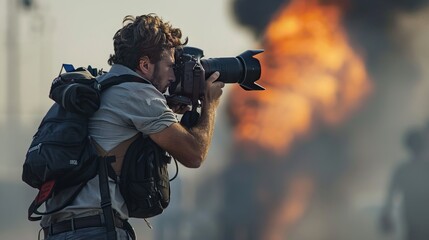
(221, 84)
(213, 77)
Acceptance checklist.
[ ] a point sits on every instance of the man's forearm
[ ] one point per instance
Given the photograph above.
(203, 130)
(196, 141)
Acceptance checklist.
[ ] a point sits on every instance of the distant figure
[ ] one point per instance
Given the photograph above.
(410, 181)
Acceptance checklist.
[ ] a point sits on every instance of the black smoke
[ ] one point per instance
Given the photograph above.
(370, 23)
(256, 14)
(379, 14)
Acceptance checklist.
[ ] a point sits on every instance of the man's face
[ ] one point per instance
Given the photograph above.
(163, 74)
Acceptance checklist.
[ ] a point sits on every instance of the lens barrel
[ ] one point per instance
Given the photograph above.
(243, 69)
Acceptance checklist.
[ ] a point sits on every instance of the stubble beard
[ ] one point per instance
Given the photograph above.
(156, 79)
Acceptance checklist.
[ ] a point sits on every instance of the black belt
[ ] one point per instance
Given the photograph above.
(79, 223)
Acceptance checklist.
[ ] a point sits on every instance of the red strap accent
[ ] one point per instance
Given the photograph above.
(45, 191)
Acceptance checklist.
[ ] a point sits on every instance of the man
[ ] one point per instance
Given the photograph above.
(144, 47)
(410, 182)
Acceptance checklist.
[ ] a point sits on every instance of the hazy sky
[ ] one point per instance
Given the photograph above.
(80, 32)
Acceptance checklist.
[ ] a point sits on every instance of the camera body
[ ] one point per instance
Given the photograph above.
(191, 72)
(190, 76)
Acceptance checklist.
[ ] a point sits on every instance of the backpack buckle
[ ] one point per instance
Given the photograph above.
(106, 204)
(97, 86)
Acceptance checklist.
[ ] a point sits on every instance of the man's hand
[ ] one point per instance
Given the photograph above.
(180, 108)
(213, 90)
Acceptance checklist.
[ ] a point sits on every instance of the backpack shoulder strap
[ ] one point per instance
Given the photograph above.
(121, 79)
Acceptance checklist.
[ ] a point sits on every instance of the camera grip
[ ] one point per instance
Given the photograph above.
(190, 119)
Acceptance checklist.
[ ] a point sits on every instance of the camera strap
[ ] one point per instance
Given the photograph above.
(198, 76)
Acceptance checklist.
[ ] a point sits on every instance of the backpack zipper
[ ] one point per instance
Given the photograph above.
(37, 147)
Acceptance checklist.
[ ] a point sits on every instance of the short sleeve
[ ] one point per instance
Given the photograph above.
(146, 108)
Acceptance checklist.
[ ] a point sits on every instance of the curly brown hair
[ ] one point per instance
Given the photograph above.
(145, 35)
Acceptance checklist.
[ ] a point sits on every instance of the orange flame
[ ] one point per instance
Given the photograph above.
(291, 210)
(310, 72)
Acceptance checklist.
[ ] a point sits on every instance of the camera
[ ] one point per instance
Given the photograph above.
(191, 71)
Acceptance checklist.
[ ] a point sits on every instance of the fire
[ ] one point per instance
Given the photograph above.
(310, 73)
(296, 200)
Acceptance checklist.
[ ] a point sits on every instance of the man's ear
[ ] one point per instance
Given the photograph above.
(145, 66)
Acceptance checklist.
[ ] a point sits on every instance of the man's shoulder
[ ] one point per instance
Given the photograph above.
(119, 70)
(128, 86)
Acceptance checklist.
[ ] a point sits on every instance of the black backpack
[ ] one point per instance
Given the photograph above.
(144, 181)
(62, 157)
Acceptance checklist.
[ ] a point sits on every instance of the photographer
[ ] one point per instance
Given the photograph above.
(145, 47)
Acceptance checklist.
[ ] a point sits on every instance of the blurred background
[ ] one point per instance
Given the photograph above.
(311, 157)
